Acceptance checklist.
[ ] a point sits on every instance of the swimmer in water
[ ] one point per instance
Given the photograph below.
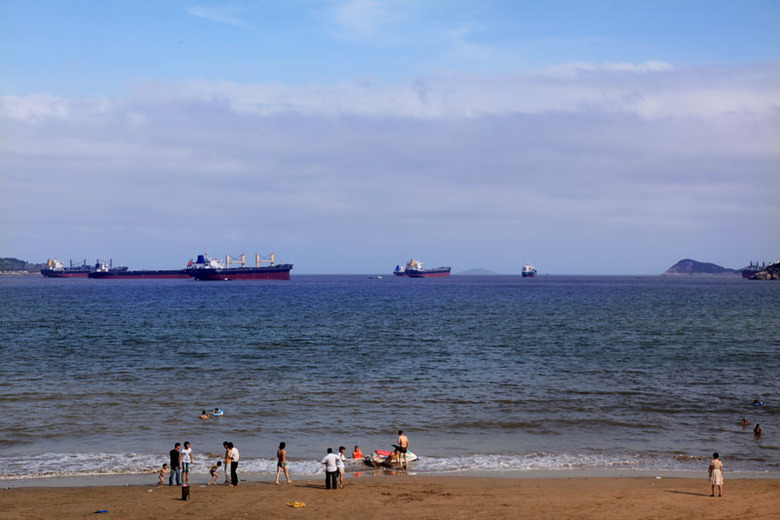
(204, 415)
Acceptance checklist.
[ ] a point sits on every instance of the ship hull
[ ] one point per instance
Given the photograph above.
(276, 272)
(59, 273)
(439, 272)
(529, 274)
(150, 274)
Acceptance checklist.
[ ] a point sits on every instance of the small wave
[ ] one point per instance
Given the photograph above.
(88, 464)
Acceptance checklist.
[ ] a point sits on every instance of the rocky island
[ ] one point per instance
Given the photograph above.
(694, 268)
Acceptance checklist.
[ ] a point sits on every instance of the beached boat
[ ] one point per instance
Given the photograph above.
(379, 459)
(414, 269)
(211, 269)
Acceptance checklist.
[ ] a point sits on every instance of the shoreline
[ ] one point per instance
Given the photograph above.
(149, 479)
(412, 496)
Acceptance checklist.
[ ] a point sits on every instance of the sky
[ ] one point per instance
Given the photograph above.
(600, 137)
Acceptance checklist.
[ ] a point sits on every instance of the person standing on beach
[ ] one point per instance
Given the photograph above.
(186, 460)
(716, 474)
(226, 461)
(233, 465)
(281, 463)
(342, 466)
(175, 465)
(403, 445)
(331, 469)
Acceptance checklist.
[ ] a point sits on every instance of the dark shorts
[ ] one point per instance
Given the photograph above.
(401, 449)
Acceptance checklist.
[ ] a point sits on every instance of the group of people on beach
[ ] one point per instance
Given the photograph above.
(181, 459)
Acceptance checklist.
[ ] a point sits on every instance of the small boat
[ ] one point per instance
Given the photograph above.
(379, 459)
(528, 271)
(414, 269)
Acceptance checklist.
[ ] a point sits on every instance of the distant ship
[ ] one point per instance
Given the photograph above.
(528, 271)
(752, 269)
(53, 268)
(414, 269)
(211, 269)
(104, 271)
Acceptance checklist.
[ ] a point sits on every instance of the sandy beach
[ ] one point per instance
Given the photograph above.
(405, 496)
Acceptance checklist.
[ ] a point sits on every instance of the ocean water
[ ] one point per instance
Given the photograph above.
(484, 373)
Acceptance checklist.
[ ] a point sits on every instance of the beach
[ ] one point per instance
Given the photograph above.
(411, 496)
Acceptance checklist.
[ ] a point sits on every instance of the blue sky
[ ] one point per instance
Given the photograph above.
(348, 136)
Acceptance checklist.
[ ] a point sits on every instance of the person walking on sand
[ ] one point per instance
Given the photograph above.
(403, 445)
(331, 469)
(186, 460)
(175, 465)
(342, 466)
(281, 463)
(233, 465)
(716, 474)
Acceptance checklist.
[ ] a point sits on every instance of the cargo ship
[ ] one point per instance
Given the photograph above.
(528, 271)
(752, 269)
(53, 268)
(414, 269)
(105, 272)
(211, 269)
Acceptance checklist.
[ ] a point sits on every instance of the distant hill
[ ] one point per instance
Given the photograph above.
(692, 267)
(477, 271)
(14, 265)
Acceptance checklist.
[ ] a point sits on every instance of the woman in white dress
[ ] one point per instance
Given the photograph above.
(716, 474)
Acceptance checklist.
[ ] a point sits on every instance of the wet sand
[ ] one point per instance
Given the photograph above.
(405, 496)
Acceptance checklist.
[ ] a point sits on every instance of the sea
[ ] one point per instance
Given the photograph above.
(485, 374)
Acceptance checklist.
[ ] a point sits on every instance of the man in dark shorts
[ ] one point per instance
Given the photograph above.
(175, 465)
(403, 445)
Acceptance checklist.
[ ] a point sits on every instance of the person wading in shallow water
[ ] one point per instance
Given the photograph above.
(403, 445)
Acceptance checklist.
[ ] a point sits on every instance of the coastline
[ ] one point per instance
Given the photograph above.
(412, 496)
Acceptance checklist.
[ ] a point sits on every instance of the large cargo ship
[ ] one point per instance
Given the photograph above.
(752, 269)
(53, 268)
(211, 269)
(528, 271)
(414, 269)
(105, 272)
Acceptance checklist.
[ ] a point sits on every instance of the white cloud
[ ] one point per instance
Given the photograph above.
(671, 154)
(222, 14)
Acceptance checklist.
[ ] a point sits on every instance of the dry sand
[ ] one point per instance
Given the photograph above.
(405, 496)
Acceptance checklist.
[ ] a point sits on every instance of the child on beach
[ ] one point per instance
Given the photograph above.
(213, 472)
(161, 473)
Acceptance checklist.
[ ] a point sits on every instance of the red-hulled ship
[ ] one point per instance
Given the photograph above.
(53, 268)
(205, 268)
(414, 269)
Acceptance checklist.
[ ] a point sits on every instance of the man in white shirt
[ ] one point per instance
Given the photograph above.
(331, 462)
(233, 464)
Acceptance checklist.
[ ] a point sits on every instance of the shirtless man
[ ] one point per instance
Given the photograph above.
(403, 445)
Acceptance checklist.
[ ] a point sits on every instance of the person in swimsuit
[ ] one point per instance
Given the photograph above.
(162, 474)
(213, 472)
(716, 474)
(281, 463)
(403, 445)
(757, 431)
